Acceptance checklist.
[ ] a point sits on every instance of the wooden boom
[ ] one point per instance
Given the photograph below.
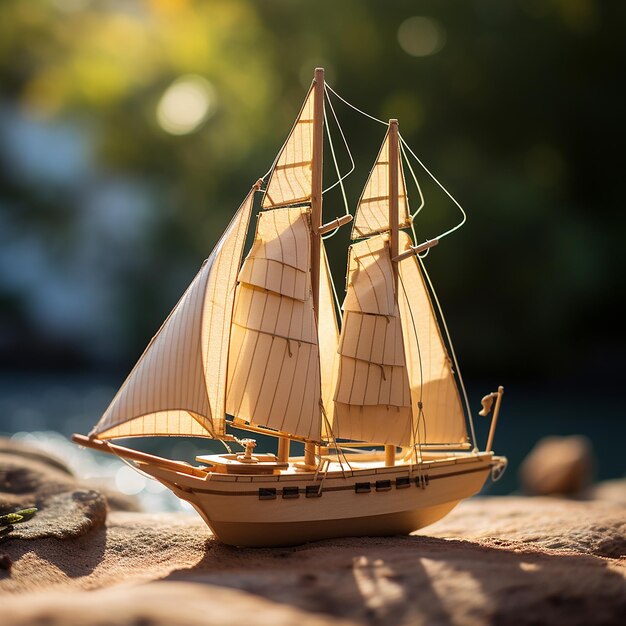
(135, 455)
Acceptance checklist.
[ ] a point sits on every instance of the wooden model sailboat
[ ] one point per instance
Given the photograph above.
(259, 342)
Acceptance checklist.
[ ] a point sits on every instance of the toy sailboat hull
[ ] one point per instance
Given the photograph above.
(292, 508)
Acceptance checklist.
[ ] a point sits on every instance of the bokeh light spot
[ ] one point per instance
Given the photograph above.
(421, 36)
(128, 481)
(186, 104)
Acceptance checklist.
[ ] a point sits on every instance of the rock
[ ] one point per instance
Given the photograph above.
(558, 466)
(574, 526)
(24, 451)
(31, 479)
(158, 604)
(609, 491)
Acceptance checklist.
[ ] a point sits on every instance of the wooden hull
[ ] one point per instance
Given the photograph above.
(284, 509)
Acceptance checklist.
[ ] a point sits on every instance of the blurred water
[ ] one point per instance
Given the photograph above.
(46, 410)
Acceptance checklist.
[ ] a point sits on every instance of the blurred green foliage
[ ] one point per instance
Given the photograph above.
(516, 107)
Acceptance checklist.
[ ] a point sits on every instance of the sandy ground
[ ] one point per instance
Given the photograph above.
(511, 560)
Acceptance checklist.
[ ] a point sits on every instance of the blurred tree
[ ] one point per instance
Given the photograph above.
(130, 131)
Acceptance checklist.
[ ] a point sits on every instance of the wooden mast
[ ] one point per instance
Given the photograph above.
(316, 207)
(390, 450)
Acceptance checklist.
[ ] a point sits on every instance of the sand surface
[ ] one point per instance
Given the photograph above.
(511, 560)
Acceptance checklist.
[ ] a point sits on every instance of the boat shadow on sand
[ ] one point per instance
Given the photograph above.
(420, 579)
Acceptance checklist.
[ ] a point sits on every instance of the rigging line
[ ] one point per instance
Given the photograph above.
(340, 178)
(464, 218)
(419, 189)
(355, 108)
(454, 359)
(334, 441)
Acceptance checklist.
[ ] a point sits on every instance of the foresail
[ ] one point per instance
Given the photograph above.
(279, 258)
(372, 397)
(274, 363)
(290, 181)
(429, 367)
(372, 213)
(178, 385)
(369, 281)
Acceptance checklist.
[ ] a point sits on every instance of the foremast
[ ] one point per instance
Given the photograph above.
(394, 162)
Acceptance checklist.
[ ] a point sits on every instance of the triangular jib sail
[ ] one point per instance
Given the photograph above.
(178, 385)
(372, 214)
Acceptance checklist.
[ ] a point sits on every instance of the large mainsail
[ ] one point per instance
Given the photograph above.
(274, 364)
(372, 214)
(178, 385)
(372, 398)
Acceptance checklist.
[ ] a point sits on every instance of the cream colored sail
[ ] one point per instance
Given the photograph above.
(372, 214)
(429, 367)
(372, 397)
(291, 180)
(178, 385)
(328, 337)
(274, 364)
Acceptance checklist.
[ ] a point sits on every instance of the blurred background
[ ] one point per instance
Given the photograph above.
(130, 131)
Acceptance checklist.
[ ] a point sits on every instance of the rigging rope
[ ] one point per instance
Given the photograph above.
(408, 148)
(339, 177)
(464, 218)
(419, 189)
(355, 108)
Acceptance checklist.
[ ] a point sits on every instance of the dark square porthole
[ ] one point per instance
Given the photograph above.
(383, 485)
(362, 488)
(313, 491)
(403, 482)
(267, 493)
(291, 492)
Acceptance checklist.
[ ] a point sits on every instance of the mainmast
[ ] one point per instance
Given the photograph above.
(390, 449)
(393, 196)
(317, 163)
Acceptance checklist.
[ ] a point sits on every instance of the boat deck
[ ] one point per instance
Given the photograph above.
(225, 465)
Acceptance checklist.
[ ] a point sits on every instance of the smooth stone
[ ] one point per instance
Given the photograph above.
(558, 466)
